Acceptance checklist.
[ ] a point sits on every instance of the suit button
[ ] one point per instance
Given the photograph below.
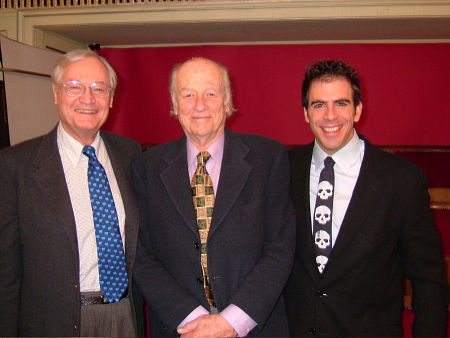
(321, 294)
(200, 281)
(196, 245)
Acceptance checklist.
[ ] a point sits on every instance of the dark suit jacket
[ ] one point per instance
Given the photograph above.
(39, 261)
(250, 242)
(387, 232)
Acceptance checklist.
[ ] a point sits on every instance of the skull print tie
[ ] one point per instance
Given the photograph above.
(111, 259)
(203, 198)
(323, 215)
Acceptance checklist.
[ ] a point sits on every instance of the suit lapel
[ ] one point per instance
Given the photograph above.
(234, 173)
(175, 178)
(307, 234)
(121, 168)
(49, 177)
(364, 200)
(300, 178)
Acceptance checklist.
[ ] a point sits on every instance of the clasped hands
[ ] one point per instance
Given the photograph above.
(209, 325)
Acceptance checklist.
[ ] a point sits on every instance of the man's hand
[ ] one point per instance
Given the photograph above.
(211, 325)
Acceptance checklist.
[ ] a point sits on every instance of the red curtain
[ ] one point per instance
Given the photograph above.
(405, 90)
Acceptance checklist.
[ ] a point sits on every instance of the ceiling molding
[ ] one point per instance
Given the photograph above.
(241, 22)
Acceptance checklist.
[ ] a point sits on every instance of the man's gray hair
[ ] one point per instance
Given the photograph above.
(78, 55)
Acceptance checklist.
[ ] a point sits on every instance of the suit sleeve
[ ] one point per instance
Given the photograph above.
(160, 290)
(260, 291)
(10, 256)
(424, 265)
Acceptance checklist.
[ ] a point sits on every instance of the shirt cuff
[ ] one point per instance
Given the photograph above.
(197, 312)
(241, 322)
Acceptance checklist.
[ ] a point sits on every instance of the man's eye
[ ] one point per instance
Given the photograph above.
(99, 90)
(75, 87)
(318, 105)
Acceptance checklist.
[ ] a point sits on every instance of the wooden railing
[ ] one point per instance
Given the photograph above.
(40, 4)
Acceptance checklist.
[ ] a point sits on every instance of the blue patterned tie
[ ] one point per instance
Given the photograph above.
(111, 259)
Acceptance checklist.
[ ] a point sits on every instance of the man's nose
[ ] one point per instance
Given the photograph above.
(330, 112)
(87, 96)
(199, 103)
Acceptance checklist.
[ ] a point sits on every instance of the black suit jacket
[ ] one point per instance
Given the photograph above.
(387, 232)
(39, 260)
(250, 242)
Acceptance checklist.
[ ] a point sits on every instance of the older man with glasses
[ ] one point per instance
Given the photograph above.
(68, 218)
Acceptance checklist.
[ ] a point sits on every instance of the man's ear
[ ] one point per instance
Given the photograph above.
(228, 110)
(358, 112)
(305, 111)
(55, 93)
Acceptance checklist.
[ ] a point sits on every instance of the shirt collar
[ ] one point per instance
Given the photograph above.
(72, 147)
(215, 150)
(344, 157)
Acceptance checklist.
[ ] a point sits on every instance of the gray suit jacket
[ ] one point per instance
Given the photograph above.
(387, 232)
(39, 260)
(250, 242)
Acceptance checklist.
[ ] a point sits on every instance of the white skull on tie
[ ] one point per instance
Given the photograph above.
(325, 190)
(322, 214)
(322, 239)
(321, 261)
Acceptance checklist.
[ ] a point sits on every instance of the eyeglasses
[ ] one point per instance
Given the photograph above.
(76, 88)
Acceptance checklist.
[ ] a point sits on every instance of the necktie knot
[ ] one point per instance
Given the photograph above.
(329, 162)
(202, 158)
(89, 151)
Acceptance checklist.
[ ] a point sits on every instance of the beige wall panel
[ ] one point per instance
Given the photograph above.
(8, 23)
(29, 98)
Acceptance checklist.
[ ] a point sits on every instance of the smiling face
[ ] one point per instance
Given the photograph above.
(200, 96)
(82, 116)
(331, 113)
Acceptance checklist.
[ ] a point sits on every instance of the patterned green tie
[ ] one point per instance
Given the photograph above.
(203, 197)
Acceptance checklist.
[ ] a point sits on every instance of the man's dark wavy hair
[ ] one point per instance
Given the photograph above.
(330, 70)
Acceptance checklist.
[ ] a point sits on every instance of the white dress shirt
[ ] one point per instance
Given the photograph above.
(75, 165)
(348, 162)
